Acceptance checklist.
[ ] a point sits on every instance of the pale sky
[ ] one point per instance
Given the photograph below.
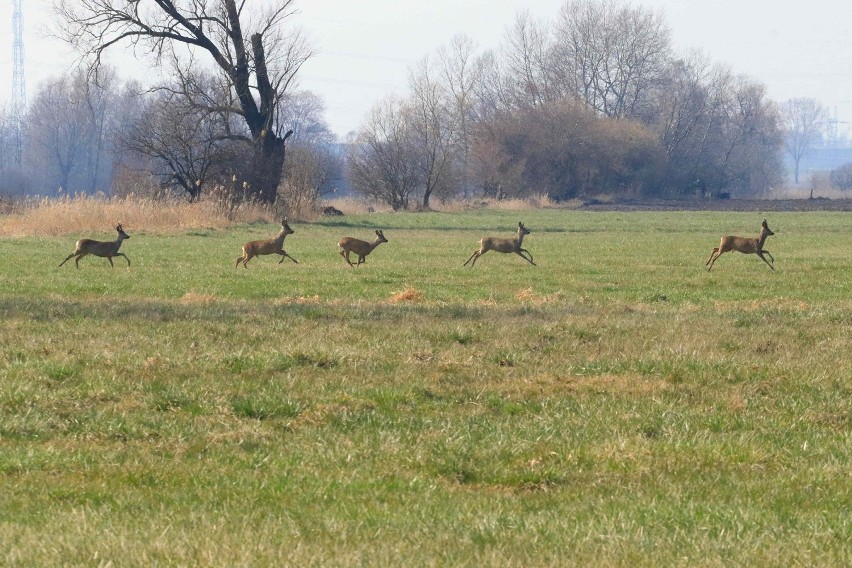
(796, 48)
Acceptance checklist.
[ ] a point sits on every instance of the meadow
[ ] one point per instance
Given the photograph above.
(615, 405)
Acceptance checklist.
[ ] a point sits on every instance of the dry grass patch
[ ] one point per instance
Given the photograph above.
(407, 294)
(528, 295)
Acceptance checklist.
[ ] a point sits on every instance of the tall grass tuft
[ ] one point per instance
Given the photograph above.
(93, 214)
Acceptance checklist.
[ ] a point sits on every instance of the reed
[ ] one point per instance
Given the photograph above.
(92, 214)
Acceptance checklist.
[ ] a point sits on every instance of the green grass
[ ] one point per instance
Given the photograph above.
(615, 405)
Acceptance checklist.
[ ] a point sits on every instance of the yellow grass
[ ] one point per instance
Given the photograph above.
(528, 295)
(87, 214)
(407, 294)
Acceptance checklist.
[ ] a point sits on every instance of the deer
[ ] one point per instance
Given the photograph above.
(107, 249)
(269, 246)
(359, 247)
(745, 245)
(503, 245)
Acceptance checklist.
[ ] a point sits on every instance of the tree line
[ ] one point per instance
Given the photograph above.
(594, 101)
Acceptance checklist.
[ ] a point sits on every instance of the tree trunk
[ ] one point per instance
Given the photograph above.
(267, 168)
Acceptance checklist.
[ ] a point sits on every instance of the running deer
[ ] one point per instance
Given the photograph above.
(503, 245)
(359, 247)
(106, 249)
(744, 245)
(268, 246)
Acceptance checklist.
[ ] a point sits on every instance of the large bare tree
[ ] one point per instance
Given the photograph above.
(804, 122)
(59, 129)
(255, 52)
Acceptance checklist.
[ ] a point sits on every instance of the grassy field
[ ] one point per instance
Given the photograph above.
(615, 405)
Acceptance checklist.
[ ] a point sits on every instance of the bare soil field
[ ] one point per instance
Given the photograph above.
(818, 204)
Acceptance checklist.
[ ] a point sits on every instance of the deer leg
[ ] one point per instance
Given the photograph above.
(67, 258)
(760, 254)
(362, 260)
(530, 259)
(715, 250)
(770, 255)
(716, 254)
(284, 255)
(345, 255)
(79, 256)
(517, 252)
(476, 254)
(111, 265)
(125, 257)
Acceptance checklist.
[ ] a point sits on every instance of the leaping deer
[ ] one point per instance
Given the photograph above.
(106, 249)
(744, 245)
(269, 246)
(503, 245)
(359, 247)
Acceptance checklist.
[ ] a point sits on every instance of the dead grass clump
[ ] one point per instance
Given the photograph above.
(407, 294)
(529, 296)
(93, 215)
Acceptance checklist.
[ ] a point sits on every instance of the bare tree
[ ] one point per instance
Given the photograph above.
(741, 150)
(312, 161)
(525, 55)
(686, 102)
(58, 124)
(434, 126)
(610, 54)
(462, 77)
(841, 178)
(182, 141)
(304, 112)
(804, 123)
(381, 163)
(255, 54)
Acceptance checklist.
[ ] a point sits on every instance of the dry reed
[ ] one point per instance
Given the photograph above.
(94, 214)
